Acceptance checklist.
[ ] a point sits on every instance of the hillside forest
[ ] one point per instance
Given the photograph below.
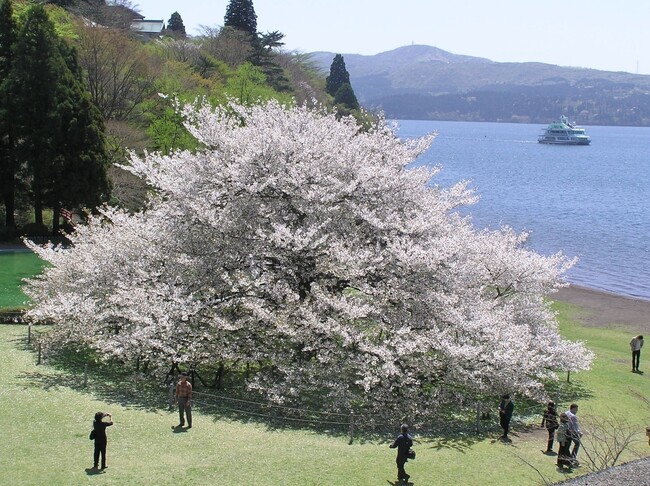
(80, 89)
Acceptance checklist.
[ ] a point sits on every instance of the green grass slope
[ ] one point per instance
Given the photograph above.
(45, 418)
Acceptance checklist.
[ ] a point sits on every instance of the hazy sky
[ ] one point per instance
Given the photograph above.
(600, 34)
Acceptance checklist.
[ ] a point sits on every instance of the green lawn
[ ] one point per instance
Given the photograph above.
(14, 266)
(45, 418)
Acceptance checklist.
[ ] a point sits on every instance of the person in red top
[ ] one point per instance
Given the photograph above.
(184, 400)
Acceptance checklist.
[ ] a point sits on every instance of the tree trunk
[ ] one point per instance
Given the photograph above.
(9, 198)
(56, 216)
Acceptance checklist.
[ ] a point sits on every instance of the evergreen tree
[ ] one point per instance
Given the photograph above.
(338, 75)
(59, 131)
(240, 15)
(175, 25)
(345, 97)
(77, 176)
(8, 165)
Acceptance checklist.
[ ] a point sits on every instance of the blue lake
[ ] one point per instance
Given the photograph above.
(592, 201)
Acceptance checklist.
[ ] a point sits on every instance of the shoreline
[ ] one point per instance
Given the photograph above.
(599, 308)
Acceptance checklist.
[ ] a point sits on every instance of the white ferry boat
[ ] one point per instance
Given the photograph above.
(564, 133)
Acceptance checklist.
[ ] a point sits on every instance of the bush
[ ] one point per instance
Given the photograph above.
(35, 229)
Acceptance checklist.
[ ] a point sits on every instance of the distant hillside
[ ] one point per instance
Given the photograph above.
(423, 82)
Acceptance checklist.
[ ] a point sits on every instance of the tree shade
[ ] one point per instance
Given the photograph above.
(301, 246)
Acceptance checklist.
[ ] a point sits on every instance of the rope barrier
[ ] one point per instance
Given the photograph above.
(221, 397)
(247, 412)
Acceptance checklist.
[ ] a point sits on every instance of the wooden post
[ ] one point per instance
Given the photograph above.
(351, 427)
(478, 418)
(29, 333)
(39, 354)
(568, 376)
(86, 375)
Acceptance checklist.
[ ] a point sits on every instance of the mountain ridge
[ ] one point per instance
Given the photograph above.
(458, 87)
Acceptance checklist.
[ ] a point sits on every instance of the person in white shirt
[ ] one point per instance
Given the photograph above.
(635, 345)
(574, 429)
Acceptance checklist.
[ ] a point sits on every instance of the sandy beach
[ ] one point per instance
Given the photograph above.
(604, 309)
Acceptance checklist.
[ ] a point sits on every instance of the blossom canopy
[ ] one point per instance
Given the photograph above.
(301, 246)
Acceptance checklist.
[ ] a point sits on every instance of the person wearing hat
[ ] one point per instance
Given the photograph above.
(99, 429)
(184, 400)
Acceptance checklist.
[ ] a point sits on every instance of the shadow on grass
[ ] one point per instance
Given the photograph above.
(107, 382)
(117, 384)
(459, 442)
(93, 471)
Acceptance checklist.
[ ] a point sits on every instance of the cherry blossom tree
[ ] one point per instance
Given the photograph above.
(305, 248)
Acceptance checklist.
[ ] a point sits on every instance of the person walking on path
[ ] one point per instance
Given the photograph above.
(99, 428)
(184, 400)
(403, 443)
(563, 438)
(574, 430)
(506, 408)
(550, 420)
(635, 345)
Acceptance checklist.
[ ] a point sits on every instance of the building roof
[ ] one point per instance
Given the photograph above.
(147, 27)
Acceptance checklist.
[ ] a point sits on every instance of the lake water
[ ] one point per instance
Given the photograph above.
(592, 201)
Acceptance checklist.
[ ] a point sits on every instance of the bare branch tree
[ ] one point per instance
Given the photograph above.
(119, 76)
(609, 436)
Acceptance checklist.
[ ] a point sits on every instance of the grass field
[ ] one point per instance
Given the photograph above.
(14, 266)
(45, 418)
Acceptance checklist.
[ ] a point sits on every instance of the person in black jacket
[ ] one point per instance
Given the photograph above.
(550, 420)
(403, 443)
(99, 427)
(506, 407)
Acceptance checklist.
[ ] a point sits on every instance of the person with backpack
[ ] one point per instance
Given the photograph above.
(403, 443)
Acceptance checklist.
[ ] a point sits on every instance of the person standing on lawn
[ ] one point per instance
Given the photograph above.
(635, 345)
(550, 420)
(403, 443)
(563, 438)
(184, 400)
(574, 430)
(506, 408)
(99, 428)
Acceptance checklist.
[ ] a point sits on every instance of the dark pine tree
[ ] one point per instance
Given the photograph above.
(78, 174)
(8, 164)
(338, 75)
(59, 131)
(240, 15)
(175, 25)
(345, 97)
